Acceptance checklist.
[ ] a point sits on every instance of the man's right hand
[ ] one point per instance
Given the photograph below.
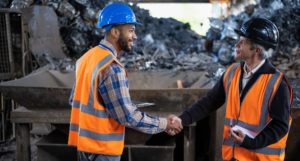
(174, 125)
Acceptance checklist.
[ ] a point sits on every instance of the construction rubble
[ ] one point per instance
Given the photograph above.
(165, 43)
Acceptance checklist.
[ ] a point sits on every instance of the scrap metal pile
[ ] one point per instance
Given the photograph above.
(285, 14)
(169, 44)
(165, 43)
(162, 44)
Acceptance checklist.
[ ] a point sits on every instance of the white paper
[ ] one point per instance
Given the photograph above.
(249, 133)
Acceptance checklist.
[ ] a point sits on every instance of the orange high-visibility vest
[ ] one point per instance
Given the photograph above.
(91, 129)
(251, 114)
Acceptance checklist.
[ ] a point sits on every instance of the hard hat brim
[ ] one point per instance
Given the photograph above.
(240, 33)
(135, 23)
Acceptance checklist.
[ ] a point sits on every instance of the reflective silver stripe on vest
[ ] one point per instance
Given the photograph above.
(90, 110)
(108, 58)
(73, 127)
(266, 150)
(75, 104)
(93, 111)
(264, 108)
(230, 75)
(230, 122)
(101, 137)
(265, 104)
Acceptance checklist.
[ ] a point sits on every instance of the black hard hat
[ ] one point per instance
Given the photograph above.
(261, 31)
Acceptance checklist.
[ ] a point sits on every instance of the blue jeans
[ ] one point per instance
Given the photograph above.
(84, 156)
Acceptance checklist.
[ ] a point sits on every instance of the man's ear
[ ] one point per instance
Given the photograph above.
(115, 32)
(258, 50)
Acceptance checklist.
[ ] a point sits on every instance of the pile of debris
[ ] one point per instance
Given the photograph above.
(7, 150)
(288, 56)
(295, 83)
(166, 43)
(284, 13)
(163, 43)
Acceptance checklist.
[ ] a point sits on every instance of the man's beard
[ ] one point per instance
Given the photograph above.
(123, 43)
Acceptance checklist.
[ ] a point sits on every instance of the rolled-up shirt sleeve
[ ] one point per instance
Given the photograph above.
(114, 92)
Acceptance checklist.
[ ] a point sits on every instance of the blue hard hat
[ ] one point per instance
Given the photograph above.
(116, 13)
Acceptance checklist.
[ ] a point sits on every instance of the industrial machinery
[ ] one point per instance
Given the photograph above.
(43, 98)
(11, 57)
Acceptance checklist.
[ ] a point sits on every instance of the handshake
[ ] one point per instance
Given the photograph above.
(174, 125)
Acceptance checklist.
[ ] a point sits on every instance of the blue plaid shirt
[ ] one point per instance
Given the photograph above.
(114, 90)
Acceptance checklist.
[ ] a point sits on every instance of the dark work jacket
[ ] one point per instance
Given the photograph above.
(279, 108)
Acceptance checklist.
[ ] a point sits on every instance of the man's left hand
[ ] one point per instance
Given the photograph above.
(237, 136)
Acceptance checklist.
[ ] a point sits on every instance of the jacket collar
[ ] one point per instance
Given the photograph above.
(266, 68)
(108, 46)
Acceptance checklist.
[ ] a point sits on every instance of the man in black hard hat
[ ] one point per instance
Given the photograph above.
(257, 97)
